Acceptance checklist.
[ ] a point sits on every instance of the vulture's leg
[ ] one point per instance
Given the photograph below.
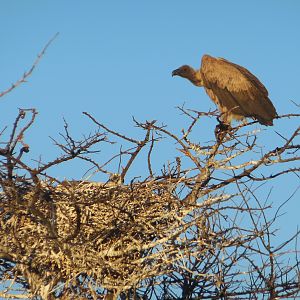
(221, 129)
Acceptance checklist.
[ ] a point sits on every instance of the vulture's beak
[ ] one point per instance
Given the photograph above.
(175, 72)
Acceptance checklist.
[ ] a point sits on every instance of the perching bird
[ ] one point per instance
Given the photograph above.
(237, 92)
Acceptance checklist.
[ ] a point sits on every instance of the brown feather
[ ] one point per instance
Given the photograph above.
(234, 89)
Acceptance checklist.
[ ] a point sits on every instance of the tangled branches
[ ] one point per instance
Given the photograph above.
(194, 230)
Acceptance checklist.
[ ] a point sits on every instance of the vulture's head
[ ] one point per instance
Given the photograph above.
(184, 71)
(189, 73)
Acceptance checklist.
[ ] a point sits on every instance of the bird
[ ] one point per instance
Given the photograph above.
(237, 93)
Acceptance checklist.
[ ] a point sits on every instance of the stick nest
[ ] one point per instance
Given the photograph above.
(116, 234)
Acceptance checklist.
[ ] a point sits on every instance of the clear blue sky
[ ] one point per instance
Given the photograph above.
(114, 59)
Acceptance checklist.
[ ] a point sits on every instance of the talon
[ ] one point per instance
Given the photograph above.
(221, 130)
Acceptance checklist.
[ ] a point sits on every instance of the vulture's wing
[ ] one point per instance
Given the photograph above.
(235, 84)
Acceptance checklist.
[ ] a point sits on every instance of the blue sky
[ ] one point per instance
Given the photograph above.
(114, 59)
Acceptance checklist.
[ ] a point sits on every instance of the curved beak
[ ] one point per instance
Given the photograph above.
(175, 72)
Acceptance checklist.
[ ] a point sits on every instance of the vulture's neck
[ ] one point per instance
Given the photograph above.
(195, 77)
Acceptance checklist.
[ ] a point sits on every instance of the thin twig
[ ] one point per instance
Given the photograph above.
(29, 72)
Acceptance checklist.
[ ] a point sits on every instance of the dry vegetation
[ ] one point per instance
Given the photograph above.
(196, 230)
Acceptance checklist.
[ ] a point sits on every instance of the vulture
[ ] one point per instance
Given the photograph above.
(237, 93)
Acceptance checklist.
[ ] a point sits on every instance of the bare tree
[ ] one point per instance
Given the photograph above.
(195, 229)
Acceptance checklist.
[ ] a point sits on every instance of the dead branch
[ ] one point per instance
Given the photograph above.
(194, 230)
(27, 74)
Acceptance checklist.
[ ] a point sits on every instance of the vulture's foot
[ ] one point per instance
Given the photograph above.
(221, 130)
